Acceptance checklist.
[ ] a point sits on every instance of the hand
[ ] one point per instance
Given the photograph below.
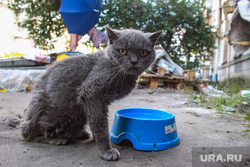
(74, 38)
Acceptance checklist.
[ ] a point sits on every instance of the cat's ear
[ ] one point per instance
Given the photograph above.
(153, 36)
(112, 34)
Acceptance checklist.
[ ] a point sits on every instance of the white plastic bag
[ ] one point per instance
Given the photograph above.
(17, 80)
(162, 54)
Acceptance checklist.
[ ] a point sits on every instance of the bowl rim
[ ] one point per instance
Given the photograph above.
(118, 112)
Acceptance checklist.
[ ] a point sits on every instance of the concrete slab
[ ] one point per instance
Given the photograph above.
(197, 127)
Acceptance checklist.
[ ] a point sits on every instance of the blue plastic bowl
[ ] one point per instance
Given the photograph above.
(147, 129)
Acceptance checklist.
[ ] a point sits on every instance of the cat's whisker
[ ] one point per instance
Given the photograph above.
(120, 77)
(123, 79)
(116, 72)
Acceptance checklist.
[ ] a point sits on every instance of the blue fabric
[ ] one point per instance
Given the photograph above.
(80, 16)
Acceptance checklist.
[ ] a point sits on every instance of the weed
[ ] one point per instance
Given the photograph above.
(234, 104)
(248, 116)
(245, 132)
(234, 85)
(194, 113)
(188, 90)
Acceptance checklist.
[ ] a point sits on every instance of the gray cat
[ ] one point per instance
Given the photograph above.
(79, 89)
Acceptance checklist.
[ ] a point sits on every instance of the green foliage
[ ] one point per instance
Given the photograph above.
(199, 99)
(191, 65)
(124, 14)
(234, 85)
(245, 132)
(42, 20)
(186, 31)
(235, 103)
(248, 116)
(189, 89)
(12, 55)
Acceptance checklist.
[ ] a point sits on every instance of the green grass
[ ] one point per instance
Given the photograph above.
(245, 132)
(235, 103)
(189, 89)
(234, 85)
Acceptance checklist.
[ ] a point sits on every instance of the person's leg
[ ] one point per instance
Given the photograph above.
(74, 38)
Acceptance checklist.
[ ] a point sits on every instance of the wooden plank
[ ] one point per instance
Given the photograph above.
(153, 83)
(172, 77)
(154, 79)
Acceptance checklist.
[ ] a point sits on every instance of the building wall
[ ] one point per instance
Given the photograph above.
(225, 62)
(239, 67)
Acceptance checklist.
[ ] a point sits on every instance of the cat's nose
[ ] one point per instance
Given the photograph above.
(133, 60)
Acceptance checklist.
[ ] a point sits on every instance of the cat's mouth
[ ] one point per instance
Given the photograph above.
(133, 70)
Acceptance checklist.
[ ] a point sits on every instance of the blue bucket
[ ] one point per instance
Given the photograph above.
(147, 129)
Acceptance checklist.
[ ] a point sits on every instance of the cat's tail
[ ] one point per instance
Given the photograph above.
(30, 128)
(26, 126)
(27, 131)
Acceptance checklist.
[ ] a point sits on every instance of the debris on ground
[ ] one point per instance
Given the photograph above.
(227, 108)
(18, 80)
(190, 122)
(14, 120)
(164, 61)
(211, 91)
(244, 93)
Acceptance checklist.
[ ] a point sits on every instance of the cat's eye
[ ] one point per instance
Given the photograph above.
(123, 51)
(143, 52)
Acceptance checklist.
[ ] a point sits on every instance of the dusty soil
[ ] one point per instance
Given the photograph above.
(196, 126)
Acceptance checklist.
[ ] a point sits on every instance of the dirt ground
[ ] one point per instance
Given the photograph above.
(196, 126)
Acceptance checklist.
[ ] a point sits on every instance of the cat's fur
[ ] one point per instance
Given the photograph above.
(79, 89)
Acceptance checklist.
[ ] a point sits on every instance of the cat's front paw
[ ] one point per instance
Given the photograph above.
(110, 155)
